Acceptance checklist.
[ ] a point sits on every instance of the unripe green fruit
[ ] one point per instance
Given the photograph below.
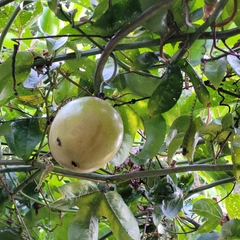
(85, 134)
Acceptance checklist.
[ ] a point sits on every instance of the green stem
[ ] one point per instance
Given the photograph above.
(11, 162)
(135, 45)
(150, 12)
(208, 186)
(16, 169)
(26, 182)
(143, 174)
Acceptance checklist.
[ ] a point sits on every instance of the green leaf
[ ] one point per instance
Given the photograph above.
(48, 23)
(167, 93)
(5, 128)
(180, 124)
(210, 131)
(191, 139)
(208, 236)
(233, 206)
(9, 234)
(73, 45)
(121, 219)
(171, 207)
(174, 146)
(200, 88)
(157, 23)
(27, 18)
(236, 156)
(131, 124)
(230, 230)
(23, 64)
(144, 61)
(64, 91)
(140, 85)
(155, 131)
(115, 17)
(24, 137)
(197, 49)
(83, 67)
(230, 6)
(209, 209)
(215, 71)
(85, 223)
(53, 44)
(185, 182)
(73, 192)
(85, 195)
(228, 122)
(235, 63)
(59, 11)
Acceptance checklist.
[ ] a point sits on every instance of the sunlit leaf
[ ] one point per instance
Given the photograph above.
(155, 130)
(180, 124)
(209, 209)
(235, 63)
(73, 45)
(60, 12)
(26, 18)
(65, 90)
(131, 124)
(174, 145)
(215, 71)
(233, 206)
(53, 44)
(73, 191)
(48, 23)
(121, 219)
(191, 139)
(200, 88)
(236, 155)
(85, 223)
(230, 7)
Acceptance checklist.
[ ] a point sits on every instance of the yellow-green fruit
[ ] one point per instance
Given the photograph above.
(85, 134)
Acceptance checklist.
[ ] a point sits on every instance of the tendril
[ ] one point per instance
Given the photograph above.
(221, 102)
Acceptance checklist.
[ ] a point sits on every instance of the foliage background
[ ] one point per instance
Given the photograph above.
(171, 69)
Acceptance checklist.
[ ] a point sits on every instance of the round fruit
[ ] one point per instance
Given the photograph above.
(85, 134)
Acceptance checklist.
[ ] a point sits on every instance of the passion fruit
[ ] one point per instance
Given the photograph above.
(85, 134)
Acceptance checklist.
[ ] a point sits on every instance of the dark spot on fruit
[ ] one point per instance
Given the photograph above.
(59, 141)
(74, 164)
